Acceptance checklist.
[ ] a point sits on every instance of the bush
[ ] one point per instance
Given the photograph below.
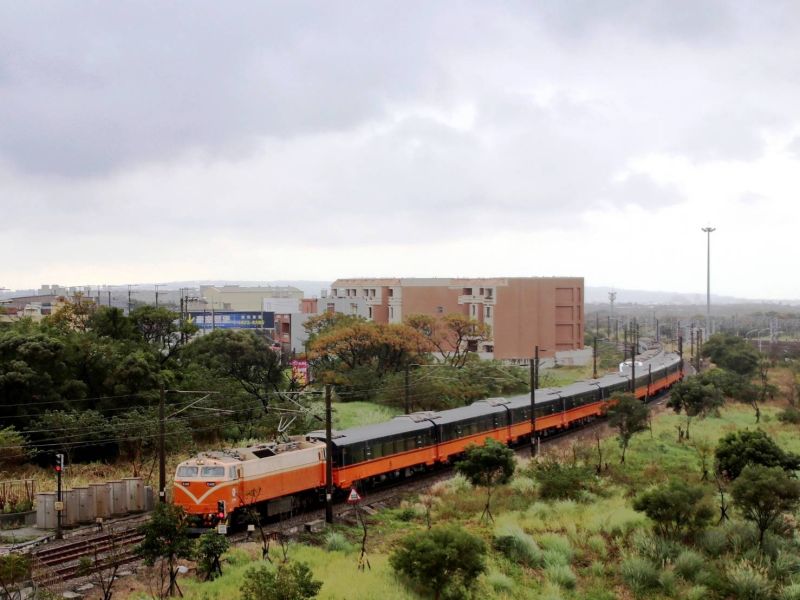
(688, 564)
(790, 415)
(561, 575)
(289, 581)
(210, 548)
(517, 546)
(556, 544)
(558, 482)
(784, 566)
(667, 581)
(523, 485)
(441, 558)
(747, 581)
(697, 592)
(790, 592)
(500, 582)
(675, 507)
(336, 542)
(639, 574)
(713, 542)
(597, 544)
(656, 548)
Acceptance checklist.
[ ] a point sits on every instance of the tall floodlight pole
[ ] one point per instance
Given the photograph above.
(708, 231)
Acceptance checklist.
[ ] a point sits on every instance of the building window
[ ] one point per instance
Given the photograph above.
(391, 292)
(391, 312)
(354, 308)
(474, 309)
(440, 309)
(331, 307)
(488, 312)
(467, 291)
(489, 292)
(370, 312)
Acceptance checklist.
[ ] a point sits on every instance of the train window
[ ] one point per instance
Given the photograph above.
(187, 471)
(212, 472)
(232, 472)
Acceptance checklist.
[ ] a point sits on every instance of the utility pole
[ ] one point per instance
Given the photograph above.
(699, 344)
(633, 370)
(328, 457)
(407, 389)
(534, 387)
(625, 344)
(708, 231)
(130, 305)
(680, 349)
(691, 335)
(162, 456)
(594, 357)
(59, 497)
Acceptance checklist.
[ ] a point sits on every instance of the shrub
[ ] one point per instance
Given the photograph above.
(289, 581)
(697, 592)
(523, 485)
(556, 544)
(639, 574)
(440, 558)
(500, 582)
(790, 415)
(667, 581)
(557, 481)
(210, 548)
(747, 581)
(790, 592)
(675, 507)
(656, 548)
(336, 542)
(784, 566)
(517, 546)
(561, 575)
(597, 545)
(713, 542)
(688, 564)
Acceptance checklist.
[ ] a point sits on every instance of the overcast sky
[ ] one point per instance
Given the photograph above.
(155, 141)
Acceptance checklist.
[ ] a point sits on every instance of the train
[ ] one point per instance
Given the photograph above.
(278, 477)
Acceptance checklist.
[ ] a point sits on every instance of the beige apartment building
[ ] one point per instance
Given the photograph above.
(523, 312)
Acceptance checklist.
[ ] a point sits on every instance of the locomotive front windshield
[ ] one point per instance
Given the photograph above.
(212, 472)
(206, 472)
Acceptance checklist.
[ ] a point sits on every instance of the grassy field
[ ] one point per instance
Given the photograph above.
(595, 547)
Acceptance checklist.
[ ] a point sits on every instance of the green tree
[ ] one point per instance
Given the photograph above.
(694, 398)
(244, 357)
(287, 581)
(137, 432)
(13, 447)
(741, 448)
(65, 431)
(112, 322)
(161, 329)
(763, 494)
(210, 548)
(732, 353)
(488, 466)
(440, 558)
(166, 537)
(675, 508)
(629, 416)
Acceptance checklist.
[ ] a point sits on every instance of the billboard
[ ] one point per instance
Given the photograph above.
(300, 371)
(233, 319)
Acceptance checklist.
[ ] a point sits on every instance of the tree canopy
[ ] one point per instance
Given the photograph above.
(629, 416)
(440, 558)
(741, 448)
(489, 465)
(732, 353)
(762, 494)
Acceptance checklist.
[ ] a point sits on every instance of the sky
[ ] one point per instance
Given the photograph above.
(153, 141)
